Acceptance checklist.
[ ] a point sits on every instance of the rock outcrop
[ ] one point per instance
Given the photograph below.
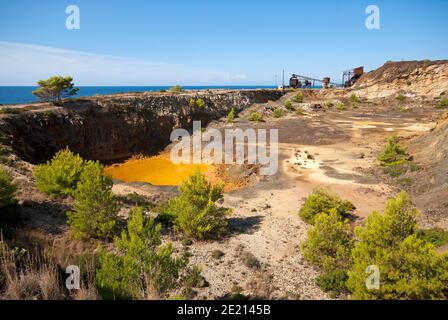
(114, 127)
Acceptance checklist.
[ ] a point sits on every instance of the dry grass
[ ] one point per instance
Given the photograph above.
(26, 275)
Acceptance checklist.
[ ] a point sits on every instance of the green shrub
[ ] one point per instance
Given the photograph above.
(442, 104)
(289, 106)
(277, 113)
(231, 116)
(60, 176)
(334, 281)
(329, 242)
(10, 111)
(141, 268)
(176, 89)
(401, 98)
(194, 212)
(354, 99)
(393, 154)
(299, 97)
(409, 267)
(321, 201)
(256, 116)
(329, 104)
(95, 209)
(340, 106)
(436, 236)
(199, 103)
(7, 189)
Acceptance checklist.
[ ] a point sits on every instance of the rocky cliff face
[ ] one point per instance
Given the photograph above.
(108, 128)
(424, 78)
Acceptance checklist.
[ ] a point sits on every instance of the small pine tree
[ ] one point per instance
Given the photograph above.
(393, 154)
(320, 201)
(194, 212)
(142, 268)
(95, 210)
(231, 116)
(299, 97)
(277, 113)
(409, 267)
(55, 88)
(60, 176)
(329, 242)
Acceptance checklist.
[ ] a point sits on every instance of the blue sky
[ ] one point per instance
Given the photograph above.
(205, 42)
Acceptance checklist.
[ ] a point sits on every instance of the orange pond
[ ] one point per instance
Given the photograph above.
(157, 170)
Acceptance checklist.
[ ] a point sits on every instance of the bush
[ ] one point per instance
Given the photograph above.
(442, 104)
(289, 106)
(321, 201)
(409, 267)
(329, 242)
(231, 115)
(277, 113)
(393, 154)
(401, 98)
(7, 190)
(329, 104)
(60, 176)
(95, 210)
(340, 106)
(354, 99)
(333, 281)
(436, 236)
(194, 212)
(299, 97)
(256, 116)
(176, 89)
(142, 268)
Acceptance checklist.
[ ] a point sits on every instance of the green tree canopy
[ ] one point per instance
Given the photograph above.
(96, 210)
(142, 267)
(409, 267)
(55, 88)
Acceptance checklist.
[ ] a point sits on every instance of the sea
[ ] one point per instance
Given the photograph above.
(19, 95)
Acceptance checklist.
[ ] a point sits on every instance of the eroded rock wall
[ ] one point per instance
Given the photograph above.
(114, 127)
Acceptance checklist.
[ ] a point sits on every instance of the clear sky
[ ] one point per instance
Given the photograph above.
(206, 42)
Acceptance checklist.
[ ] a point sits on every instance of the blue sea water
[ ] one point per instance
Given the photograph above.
(18, 95)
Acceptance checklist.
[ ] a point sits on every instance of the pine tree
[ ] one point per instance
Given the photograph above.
(95, 210)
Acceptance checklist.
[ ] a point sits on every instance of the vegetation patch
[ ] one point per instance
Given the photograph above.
(60, 175)
(289, 106)
(195, 212)
(143, 267)
(340, 106)
(393, 154)
(298, 97)
(436, 236)
(255, 116)
(442, 104)
(95, 213)
(230, 118)
(321, 201)
(277, 113)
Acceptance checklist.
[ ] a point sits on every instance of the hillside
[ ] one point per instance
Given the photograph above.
(427, 78)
